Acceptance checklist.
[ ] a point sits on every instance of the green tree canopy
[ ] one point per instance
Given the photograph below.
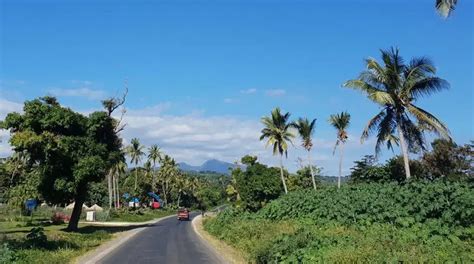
(70, 149)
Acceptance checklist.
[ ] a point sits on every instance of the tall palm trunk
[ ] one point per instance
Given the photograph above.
(136, 175)
(311, 169)
(114, 193)
(117, 191)
(281, 173)
(340, 166)
(109, 186)
(153, 181)
(404, 149)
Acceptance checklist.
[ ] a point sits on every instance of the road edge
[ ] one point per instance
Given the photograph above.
(103, 250)
(225, 252)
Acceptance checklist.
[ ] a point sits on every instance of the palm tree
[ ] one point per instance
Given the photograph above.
(119, 168)
(154, 155)
(306, 131)
(277, 132)
(340, 122)
(135, 151)
(445, 7)
(395, 87)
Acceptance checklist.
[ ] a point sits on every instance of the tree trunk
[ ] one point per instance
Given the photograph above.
(109, 186)
(76, 212)
(340, 166)
(136, 176)
(114, 192)
(153, 181)
(281, 174)
(118, 192)
(179, 198)
(165, 194)
(404, 149)
(311, 169)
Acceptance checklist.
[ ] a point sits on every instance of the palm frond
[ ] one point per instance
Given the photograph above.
(372, 125)
(426, 87)
(376, 95)
(446, 7)
(429, 122)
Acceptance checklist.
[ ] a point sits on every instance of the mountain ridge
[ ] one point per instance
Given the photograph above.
(212, 165)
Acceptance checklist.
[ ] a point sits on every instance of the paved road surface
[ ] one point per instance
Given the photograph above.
(168, 241)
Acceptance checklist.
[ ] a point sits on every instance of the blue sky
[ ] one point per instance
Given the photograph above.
(202, 73)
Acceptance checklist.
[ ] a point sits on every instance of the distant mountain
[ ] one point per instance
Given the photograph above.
(212, 165)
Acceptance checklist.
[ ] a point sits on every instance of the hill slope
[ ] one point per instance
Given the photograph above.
(212, 165)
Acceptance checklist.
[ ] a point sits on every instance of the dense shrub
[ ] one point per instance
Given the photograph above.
(257, 185)
(450, 203)
(365, 223)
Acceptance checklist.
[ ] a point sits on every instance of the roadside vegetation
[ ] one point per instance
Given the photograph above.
(60, 157)
(403, 210)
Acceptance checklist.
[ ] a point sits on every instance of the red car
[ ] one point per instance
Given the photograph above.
(183, 214)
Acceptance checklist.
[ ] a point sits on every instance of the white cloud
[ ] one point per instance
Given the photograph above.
(275, 92)
(195, 138)
(89, 93)
(229, 100)
(248, 91)
(7, 106)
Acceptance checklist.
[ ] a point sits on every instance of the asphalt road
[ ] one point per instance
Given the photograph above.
(168, 241)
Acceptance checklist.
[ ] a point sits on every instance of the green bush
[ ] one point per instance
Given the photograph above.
(7, 255)
(450, 203)
(366, 223)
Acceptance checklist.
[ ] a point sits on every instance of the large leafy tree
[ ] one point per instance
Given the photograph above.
(71, 150)
(447, 159)
(277, 133)
(154, 156)
(256, 185)
(168, 172)
(340, 122)
(395, 86)
(135, 152)
(306, 130)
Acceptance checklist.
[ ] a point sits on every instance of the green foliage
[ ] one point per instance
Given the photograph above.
(137, 214)
(36, 238)
(448, 160)
(400, 205)
(209, 197)
(7, 255)
(97, 194)
(257, 185)
(369, 223)
(302, 179)
(395, 86)
(396, 170)
(70, 149)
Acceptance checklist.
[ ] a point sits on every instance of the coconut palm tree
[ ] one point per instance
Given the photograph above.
(306, 130)
(135, 151)
(445, 7)
(277, 132)
(154, 155)
(340, 122)
(119, 169)
(395, 87)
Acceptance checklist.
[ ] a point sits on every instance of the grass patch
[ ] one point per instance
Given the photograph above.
(138, 215)
(49, 243)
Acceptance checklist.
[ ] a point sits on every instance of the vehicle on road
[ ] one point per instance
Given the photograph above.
(183, 214)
